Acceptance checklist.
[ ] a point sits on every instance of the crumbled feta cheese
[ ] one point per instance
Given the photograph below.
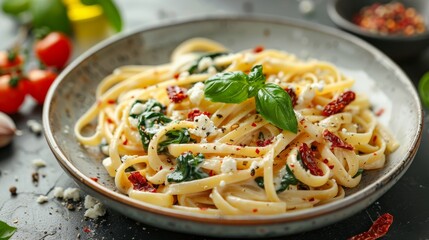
(319, 85)
(89, 202)
(177, 115)
(183, 75)
(344, 130)
(205, 63)
(212, 70)
(196, 93)
(249, 58)
(138, 108)
(222, 183)
(306, 96)
(58, 192)
(156, 109)
(205, 126)
(105, 150)
(42, 199)
(94, 212)
(71, 193)
(133, 121)
(39, 163)
(34, 126)
(228, 165)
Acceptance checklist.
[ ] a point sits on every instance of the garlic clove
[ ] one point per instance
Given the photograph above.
(7, 129)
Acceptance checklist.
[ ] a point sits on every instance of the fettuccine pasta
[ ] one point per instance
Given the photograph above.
(167, 144)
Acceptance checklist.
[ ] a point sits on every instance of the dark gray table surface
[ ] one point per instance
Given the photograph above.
(407, 201)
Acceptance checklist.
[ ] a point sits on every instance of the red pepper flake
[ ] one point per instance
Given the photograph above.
(378, 229)
(336, 141)
(257, 151)
(379, 112)
(292, 165)
(176, 76)
(338, 104)
(160, 168)
(311, 199)
(176, 94)
(95, 179)
(238, 149)
(325, 161)
(263, 143)
(109, 120)
(86, 229)
(292, 96)
(195, 113)
(331, 167)
(255, 210)
(140, 183)
(125, 142)
(308, 159)
(111, 101)
(254, 125)
(258, 49)
(203, 208)
(211, 173)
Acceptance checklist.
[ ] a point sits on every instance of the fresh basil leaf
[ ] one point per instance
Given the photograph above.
(6, 231)
(359, 172)
(287, 180)
(228, 87)
(194, 68)
(112, 14)
(187, 168)
(275, 106)
(256, 80)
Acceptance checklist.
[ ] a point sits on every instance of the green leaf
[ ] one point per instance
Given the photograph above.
(89, 2)
(256, 80)
(6, 231)
(359, 172)
(187, 168)
(287, 179)
(51, 14)
(228, 87)
(15, 7)
(112, 14)
(194, 68)
(424, 89)
(275, 106)
(175, 137)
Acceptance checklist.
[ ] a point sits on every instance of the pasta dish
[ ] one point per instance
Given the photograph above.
(215, 132)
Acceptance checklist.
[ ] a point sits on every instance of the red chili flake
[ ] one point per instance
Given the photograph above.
(338, 104)
(336, 141)
(308, 159)
(258, 49)
(211, 173)
(111, 101)
(263, 143)
(176, 76)
(255, 210)
(238, 149)
(311, 199)
(195, 113)
(379, 112)
(257, 151)
(204, 208)
(160, 168)
(86, 229)
(125, 142)
(374, 138)
(94, 179)
(378, 229)
(325, 161)
(292, 95)
(254, 125)
(140, 183)
(176, 94)
(331, 167)
(292, 165)
(109, 120)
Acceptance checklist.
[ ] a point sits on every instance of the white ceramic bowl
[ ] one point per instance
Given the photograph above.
(73, 93)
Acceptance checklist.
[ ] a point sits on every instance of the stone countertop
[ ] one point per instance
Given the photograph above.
(406, 201)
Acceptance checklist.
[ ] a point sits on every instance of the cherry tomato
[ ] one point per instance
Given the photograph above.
(54, 50)
(12, 93)
(10, 62)
(39, 82)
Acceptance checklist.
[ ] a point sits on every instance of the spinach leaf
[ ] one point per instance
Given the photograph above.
(228, 87)
(194, 68)
(187, 168)
(275, 106)
(287, 179)
(359, 172)
(6, 231)
(175, 137)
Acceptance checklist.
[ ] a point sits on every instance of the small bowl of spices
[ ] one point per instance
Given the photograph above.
(398, 28)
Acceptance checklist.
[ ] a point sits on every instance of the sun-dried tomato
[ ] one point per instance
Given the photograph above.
(176, 94)
(140, 183)
(338, 104)
(308, 159)
(292, 95)
(378, 229)
(195, 113)
(264, 142)
(336, 141)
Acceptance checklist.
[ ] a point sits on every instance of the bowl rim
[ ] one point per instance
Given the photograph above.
(248, 220)
(345, 24)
